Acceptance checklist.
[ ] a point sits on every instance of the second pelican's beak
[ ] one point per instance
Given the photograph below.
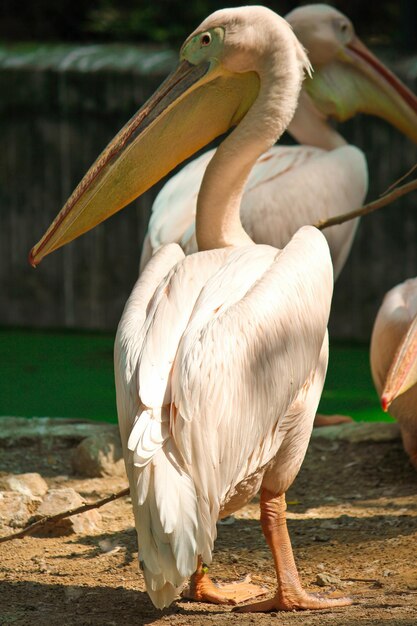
(402, 374)
(357, 82)
(195, 104)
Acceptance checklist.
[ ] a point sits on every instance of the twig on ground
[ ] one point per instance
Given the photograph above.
(50, 519)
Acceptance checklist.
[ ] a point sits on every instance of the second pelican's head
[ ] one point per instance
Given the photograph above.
(348, 78)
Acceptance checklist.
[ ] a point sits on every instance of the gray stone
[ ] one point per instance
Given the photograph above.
(47, 430)
(15, 509)
(60, 500)
(359, 432)
(323, 579)
(99, 455)
(31, 484)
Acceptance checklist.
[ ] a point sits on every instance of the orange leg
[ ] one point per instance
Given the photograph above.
(290, 594)
(202, 589)
(331, 420)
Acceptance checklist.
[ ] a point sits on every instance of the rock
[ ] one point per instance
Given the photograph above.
(60, 500)
(329, 525)
(360, 432)
(109, 547)
(31, 484)
(226, 521)
(323, 579)
(41, 565)
(15, 509)
(73, 593)
(100, 455)
(47, 430)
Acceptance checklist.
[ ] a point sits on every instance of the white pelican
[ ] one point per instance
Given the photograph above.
(220, 356)
(394, 360)
(324, 177)
(321, 179)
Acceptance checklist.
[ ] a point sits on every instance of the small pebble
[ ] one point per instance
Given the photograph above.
(323, 579)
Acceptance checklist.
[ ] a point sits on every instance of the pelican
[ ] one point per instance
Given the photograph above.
(318, 180)
(324, 177)
(394, 360)
(220, 356)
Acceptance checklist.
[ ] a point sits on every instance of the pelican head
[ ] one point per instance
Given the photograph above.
(348, 78)
(214, 85)
(402, 374)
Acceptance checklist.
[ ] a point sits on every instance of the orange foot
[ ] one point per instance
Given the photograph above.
(202, 589)
(290, 594)
(331, 420)
(301, 601)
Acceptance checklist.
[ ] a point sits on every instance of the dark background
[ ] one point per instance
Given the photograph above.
(380, 22)
(83, 71)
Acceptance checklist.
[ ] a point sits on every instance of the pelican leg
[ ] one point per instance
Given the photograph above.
(290, 594)
(331, 420)
(202, 589)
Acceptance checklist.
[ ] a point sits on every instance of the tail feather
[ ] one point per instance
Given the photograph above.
(143, 479)
(167, 492)
(163, 594)
(173, 524)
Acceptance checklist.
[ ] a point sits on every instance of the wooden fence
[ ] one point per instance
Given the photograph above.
(59, 108)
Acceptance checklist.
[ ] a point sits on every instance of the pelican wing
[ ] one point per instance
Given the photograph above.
(246, 353)
(130, 335)
(174, 209)
(316, 184)
(211, 363)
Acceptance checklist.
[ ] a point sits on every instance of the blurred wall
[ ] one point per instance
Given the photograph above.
(60, 107)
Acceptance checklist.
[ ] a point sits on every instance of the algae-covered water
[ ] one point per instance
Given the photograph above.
(69, 374)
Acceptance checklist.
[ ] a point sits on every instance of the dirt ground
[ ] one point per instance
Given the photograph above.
(352, 515)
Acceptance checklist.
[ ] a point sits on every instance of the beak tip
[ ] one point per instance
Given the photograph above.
(31, 258)
(385, 403)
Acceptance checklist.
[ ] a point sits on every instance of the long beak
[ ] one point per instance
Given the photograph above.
(195, 104)
(357, 82)
(403, 371)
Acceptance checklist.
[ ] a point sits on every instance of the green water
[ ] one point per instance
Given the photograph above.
(71, 375)
(349, 389)
(57, 374)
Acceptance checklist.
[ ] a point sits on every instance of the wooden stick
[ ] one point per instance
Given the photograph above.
(58, 516)
(400, 180)
(368, 208)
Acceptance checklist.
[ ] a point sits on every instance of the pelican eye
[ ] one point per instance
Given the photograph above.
(346, 28)
(205, 39)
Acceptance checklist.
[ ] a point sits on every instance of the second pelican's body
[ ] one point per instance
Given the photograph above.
(220, 357)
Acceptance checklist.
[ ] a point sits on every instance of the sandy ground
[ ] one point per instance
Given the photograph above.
(352, 515)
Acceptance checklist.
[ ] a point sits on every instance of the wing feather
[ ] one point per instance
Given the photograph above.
(130, 336)
(315, 183)
(167, 319)
(270, 339)
(208, 362)
(174, 209)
